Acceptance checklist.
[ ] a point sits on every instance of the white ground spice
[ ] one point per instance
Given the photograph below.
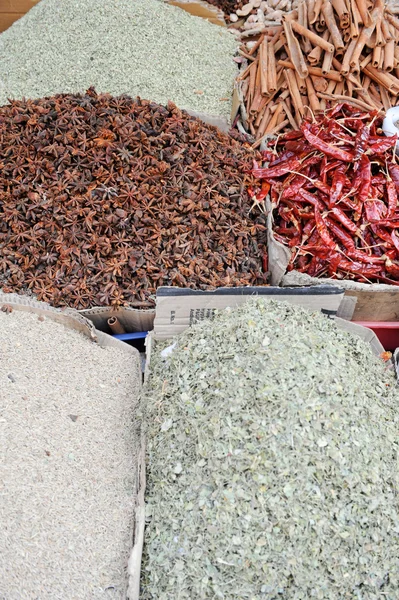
(272, 462)
(137, 47)
(67, 474)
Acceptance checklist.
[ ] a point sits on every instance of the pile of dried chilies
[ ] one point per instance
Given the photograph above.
(338, 50)
(334, 191)
(104, 199)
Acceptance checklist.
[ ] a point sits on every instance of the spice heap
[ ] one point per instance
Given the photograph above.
(258, 13)
(272, 440)
(253, 14)
(119, 47)
(104, 199)
(324, 52)
(69, 447)
(334, 190)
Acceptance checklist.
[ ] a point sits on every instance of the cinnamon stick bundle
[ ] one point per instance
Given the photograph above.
(325, 52)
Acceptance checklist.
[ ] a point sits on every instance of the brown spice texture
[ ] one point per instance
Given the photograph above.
(103, 199)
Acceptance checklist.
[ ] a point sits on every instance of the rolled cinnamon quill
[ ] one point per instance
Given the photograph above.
(271, 72)
(367, 60)
(311, 7)
(116, 326)
(363, 11)
(316, 12)
(332, 26)
(295, 51)
(289, 114)
(347, 57)
(263, 65)
(303, 21)
(301, 83)
(316, 71)
(387, 80)
(386, 31)
(313, 99)
(343, 13)
(315, 39)
(318, 83)
(274, 120)
(364, 36)
(294, 92)
(315, 55)
(327, 62)
(379, 38)
(331, 87)
(376, 56)
(385, 99)
(392, 20)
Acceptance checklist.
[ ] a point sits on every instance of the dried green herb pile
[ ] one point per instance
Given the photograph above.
(273, 462)
(137, 47)
(103, 199)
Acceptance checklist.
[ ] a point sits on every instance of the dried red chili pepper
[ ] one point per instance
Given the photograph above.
(338, 184)
(282, 158)
(394, 173)
(395, 240)
(359, 268)
(382, 145)
(344, 219)
(361, 143)
(392, 196)
(339, 198)
(375, 210)
(393, 269)
(340, 233)
(323, 146)
(365, 179)
(291, 164)
(322, 230)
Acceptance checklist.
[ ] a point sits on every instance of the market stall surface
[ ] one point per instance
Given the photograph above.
(67, 442)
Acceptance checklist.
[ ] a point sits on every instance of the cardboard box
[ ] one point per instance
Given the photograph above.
(179, 308)
(7, 19)
(362, 301)
(12, 10)
(17, 6)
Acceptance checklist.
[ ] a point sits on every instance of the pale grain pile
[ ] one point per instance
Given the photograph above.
(137, 47)
(273, 462)
(67, 475)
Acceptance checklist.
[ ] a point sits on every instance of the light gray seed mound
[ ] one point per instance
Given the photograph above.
(135, 47)
(67, 475)
(273, 462)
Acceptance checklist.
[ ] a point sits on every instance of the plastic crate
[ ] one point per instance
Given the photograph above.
(386, 331)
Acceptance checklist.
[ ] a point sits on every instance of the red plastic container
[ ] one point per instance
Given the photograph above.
(386, 331)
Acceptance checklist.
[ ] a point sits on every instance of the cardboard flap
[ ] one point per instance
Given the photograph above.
(134, 563)
(236, 103)
(367, 335)
(132, 319)
(279, 255)
(70, 318)
(179, 308)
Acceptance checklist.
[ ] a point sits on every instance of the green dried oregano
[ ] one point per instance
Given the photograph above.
(272, 462)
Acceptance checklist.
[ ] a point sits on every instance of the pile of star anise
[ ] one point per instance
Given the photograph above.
(104, 199)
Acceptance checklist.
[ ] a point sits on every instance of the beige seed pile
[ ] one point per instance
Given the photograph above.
(67, 475)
